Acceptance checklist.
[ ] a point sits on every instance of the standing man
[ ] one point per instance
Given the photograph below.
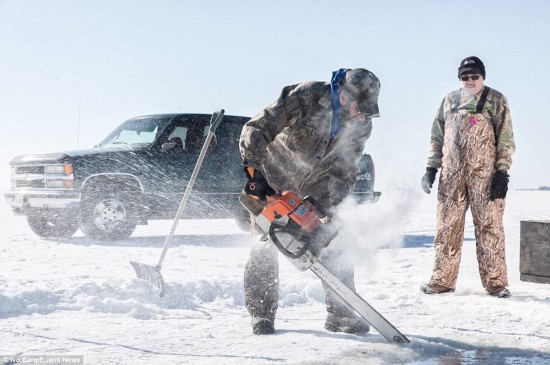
(472, 142)
(308, 141)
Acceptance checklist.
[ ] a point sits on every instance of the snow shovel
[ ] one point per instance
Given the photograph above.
(152, 273)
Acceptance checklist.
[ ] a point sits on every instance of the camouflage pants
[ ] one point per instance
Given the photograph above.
(467, 170)
(261, 281)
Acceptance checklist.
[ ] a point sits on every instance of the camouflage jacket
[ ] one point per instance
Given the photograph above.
(289, 142)
(496, 110)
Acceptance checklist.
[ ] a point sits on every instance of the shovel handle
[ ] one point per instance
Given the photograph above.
(216, 120)
(214, 123)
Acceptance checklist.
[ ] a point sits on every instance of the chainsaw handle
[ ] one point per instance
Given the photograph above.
(282, 249)
(315, 206)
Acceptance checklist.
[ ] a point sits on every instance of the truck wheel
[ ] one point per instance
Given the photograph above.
(367, 174)
(364, 186)
(53, 225)
(108, 215)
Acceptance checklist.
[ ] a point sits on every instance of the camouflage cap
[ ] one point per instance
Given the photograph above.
(365, 88)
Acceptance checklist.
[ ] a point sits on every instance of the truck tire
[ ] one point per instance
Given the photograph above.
(367, 174)
(108, 215)
(364, 186)
(53, 225)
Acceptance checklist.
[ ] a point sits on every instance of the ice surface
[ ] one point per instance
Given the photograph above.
(81, 297)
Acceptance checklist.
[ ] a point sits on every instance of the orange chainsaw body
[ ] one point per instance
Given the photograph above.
(291, 205)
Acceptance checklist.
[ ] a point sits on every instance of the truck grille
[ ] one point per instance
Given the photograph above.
(30, 184)
(55, 176)
(35, 169)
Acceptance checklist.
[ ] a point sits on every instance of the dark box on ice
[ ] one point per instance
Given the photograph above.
(534, 254)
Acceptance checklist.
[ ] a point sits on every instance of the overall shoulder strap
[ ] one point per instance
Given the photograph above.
(482, 99)
(481, 104)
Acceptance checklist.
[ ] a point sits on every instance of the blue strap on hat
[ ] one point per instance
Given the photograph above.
(336, 78)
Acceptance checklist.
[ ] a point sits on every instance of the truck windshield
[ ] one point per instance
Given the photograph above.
(135, 133)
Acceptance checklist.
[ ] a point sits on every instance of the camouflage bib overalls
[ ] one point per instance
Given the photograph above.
(467, 168)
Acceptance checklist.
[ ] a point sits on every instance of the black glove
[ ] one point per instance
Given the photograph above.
(256, 184)
(428, 179)
(499, 185)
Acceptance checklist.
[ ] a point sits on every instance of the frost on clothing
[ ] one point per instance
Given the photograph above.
(261, 281)
(467, 170)
(496, 111)
(289, 141)
(468, 147)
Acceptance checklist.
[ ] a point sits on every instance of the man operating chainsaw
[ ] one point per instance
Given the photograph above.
(309, 141)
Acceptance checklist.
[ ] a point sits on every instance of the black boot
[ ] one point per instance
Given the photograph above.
(262, 326)
(355, 325)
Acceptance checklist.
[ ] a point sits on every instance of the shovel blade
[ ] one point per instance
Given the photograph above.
(149, 273)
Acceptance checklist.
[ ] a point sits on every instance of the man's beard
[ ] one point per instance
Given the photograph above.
(345, 116)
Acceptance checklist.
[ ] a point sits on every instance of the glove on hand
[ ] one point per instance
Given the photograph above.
(257, 184)
(499, 185)
(428, 179)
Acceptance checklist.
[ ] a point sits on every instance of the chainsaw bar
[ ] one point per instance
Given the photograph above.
(350, 298)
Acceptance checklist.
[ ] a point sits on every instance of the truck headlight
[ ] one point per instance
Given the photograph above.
(59, 184)
(66, 169)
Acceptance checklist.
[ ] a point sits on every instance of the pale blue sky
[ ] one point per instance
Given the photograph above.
(72, 70)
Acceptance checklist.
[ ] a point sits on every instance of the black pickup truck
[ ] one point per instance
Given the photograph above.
(138, 173)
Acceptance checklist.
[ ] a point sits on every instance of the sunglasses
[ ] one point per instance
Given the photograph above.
(473, 77)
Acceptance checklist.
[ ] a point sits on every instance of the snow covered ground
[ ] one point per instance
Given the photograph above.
(81, 297)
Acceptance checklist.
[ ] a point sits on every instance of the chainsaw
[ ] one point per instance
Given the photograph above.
(293, 224)
(300, 232)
